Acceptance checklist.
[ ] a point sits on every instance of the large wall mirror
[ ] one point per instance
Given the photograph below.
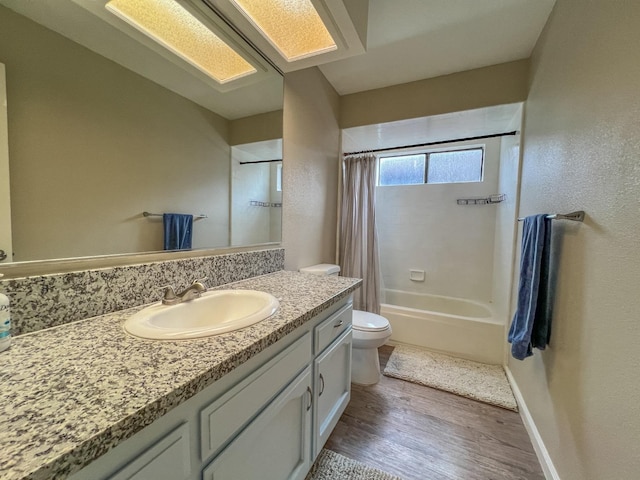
(103, 124)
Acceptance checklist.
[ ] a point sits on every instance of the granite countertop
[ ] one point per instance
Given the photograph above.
(72, 392)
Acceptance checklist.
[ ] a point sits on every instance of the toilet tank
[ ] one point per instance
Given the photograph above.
(322, 269)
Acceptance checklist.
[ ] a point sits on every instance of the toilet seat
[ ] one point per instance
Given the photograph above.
(369, 322)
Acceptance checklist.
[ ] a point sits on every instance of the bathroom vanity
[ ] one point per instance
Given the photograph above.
(88, 401)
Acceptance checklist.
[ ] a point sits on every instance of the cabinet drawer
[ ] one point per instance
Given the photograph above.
(226, 416)
(169, 458)
(331, 328)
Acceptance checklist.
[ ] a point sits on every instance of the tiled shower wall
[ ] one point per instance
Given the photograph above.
(39, 302)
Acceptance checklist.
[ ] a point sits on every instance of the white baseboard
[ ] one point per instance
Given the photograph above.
(549, 470)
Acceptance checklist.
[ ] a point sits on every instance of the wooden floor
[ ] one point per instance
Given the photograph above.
(419, 433)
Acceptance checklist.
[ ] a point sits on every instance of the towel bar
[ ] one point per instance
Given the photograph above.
(573, 216)
(147, 214)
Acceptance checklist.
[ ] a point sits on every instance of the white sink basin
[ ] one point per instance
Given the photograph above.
(214, 312)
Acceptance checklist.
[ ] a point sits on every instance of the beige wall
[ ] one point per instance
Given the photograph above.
(310, 169)
(256, 128)
(582, 151)
(495, 85)
(92, 145)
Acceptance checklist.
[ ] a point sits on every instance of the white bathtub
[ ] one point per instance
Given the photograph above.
(457, 326)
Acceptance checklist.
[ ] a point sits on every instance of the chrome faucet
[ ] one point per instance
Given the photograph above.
(170, 297)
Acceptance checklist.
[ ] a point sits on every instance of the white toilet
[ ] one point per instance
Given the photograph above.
(370, 331)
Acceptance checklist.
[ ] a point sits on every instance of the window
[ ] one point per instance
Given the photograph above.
(404, 170)
(453, 166)
(279, 177)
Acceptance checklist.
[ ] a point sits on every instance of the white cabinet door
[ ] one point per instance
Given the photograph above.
(168, 459)
(276, 445)
(231, 413)
(333, 388)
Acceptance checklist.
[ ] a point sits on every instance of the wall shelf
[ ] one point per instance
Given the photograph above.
(491, 199)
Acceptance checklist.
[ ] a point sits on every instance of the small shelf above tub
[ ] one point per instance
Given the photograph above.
(491, 199)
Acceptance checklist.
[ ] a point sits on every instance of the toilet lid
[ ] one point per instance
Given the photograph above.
(369, 322)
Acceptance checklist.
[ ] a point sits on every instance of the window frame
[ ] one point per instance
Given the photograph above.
(427, 153)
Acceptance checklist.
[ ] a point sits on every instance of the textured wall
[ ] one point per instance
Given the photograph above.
(310, 169)
(582, 151)
(482, 87)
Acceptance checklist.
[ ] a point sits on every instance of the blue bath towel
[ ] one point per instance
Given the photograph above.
(177, 231)
(531, 326)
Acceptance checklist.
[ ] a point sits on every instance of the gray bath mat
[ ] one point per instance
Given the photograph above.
(478, 381)
(333, 466)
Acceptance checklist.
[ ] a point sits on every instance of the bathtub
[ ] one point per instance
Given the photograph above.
(456, 326)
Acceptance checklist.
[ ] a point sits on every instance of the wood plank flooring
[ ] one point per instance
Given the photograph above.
(420, 433)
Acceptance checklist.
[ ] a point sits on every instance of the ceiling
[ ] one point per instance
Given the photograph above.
(410, 40)
(406, 40)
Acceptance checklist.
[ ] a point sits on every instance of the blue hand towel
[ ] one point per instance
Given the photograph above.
(541, 332)
(177, 231)
(531, 324)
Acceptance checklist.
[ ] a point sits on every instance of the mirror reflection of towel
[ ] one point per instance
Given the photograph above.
(177, 231)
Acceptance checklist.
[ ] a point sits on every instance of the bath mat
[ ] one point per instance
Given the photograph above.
(333, 466)
(478, 381)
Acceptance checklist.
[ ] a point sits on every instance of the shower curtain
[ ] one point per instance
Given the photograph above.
(358, 252)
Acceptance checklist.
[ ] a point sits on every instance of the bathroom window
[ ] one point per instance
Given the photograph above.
(402, 170)
(452, 166)
(279, 177)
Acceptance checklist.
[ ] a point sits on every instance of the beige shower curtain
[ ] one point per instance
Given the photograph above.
(358, 237)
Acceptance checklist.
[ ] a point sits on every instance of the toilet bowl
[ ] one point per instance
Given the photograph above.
(369, 330)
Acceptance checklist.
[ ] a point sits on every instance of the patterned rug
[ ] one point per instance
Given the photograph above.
(478, 381)
(333, 466)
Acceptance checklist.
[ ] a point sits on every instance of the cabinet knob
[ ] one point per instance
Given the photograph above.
(339, 324)
(321, 385)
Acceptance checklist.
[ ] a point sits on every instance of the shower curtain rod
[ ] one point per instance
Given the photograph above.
(261, 161)
(429, 144)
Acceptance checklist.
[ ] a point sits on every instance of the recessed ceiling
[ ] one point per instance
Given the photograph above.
(88, 23)
(345, 22)
(411, 40)
(175, 28)
(293, 28)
